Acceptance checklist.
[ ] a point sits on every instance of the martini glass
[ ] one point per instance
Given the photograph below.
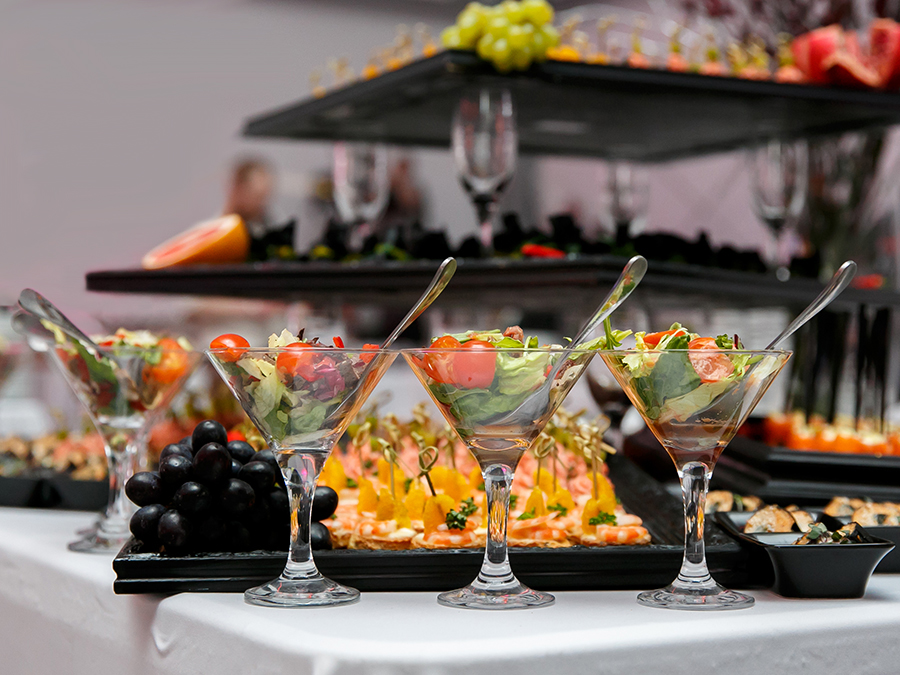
(488, 415)
(125, 390)
(301, 400)
(694, 420)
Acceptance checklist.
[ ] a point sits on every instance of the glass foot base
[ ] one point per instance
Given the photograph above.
(314, 592)
(700, 599)
(508, 596)
(95, 542)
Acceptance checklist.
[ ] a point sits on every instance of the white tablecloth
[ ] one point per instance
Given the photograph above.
(58, 615)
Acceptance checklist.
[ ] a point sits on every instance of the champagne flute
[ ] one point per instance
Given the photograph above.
(628, 187)
(360, 188)
(779, 172)
(485, 145)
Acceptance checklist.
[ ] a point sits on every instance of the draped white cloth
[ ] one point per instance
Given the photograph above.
(59, 616)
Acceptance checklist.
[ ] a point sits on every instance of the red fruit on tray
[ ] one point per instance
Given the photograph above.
(847, 70)
(884, 43)
(811, 49)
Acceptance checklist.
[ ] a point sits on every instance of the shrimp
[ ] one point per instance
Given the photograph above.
(381, 534)
(444, 537)
(341, 528)
(615, 535)
(544, 531)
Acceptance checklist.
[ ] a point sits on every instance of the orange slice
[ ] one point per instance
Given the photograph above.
(223, 240)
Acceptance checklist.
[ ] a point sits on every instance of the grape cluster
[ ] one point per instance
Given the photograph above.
(511, 35)
(211, 494)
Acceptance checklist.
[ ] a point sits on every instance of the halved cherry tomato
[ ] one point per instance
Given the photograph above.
(475, 364)
(367, 358)
(172, 363)
(439, 366)
(711, 367)
(235, 435)
(235, 344)
(653, 339)
(296, 359)
(337, 342)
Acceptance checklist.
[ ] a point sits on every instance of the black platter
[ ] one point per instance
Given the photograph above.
(576, 568)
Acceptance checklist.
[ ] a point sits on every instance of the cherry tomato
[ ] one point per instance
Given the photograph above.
(367, 358)
(711, 367)
(337, 342)
(172, 363)
(235, 344)
(653, 339)
(475, 364)
(439, 366)
(296, 359)
(235, 435)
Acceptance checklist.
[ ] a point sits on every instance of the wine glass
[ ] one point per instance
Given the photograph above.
(360, 188)
(628, 197)
(301, 400)
(485, 145)
(481, 398)
(694, 420)
(125, 390)
(779, 183)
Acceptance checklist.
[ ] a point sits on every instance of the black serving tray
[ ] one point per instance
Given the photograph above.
(824, 571)
(576, 568)
(53, 491)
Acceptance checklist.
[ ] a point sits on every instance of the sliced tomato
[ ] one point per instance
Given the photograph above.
(297, 359)
(710, 367)
(235, 344)
(367, 358)
(172, 363)
(474, 365)
(439, 366)
(653, 339)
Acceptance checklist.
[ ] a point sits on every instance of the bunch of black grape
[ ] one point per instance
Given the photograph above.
(211, 494)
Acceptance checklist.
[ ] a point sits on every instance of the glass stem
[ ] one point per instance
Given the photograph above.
(694, 574)
(495, 570)
(300, 469)
(486, 206)
(120, 456)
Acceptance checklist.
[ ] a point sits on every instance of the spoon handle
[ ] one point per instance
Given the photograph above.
(438, 283)
(34, 303)
(631, 276)
(838, 283)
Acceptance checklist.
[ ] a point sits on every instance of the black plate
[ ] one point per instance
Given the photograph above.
(815, 571)
(53, 491)
(576, 568)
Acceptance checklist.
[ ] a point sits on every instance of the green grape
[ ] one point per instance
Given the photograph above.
(550, 33)
(469, 27)
(474, 7)
(517, 37)
(497, 26)
(501, 55)
(485, 47)
(513, 11)
(539, 46)
(537, 12)
(450, 38)
(521, 58)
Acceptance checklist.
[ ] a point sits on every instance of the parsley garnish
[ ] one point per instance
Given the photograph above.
(512, 501)
(368, 464)
(480, 487)
(603, 518)
(558, 507)
(352, 483)
(456, 520)
(527, 515)
(468, 507)
(406, 484)
(816, 531)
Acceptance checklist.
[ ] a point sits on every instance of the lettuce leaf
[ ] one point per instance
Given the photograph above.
(671, 377)
(523, 373)
(682, 407)
(474, 406)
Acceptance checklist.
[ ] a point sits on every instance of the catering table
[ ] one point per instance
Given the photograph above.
(58, 615)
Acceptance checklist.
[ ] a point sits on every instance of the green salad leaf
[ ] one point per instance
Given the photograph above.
(520, 372)
(670, 377)
(477, 405)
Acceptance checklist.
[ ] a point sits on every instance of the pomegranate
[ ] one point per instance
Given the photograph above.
(811, 49)
(884, 41)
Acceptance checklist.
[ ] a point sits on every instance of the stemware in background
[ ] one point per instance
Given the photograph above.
(627, 198)
(485, 146)
(779, 182)
(361, 186)
(125, 390)
(497, 428)
(694, 427)
(301, 424)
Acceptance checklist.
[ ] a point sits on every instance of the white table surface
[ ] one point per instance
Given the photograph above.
(59, 615)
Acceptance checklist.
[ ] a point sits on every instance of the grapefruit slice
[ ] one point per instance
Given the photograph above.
(218, 241)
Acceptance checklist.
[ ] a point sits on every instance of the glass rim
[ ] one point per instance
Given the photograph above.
(753, 352)
(128, 349)
(498, 350)
(312, 349)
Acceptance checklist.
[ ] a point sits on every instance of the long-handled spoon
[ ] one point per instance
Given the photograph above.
(838, 283)
(36, 304)
(435, 288)
(631, 276)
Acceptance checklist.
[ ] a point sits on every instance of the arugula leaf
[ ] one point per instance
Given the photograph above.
(528, 515)
(603, 518)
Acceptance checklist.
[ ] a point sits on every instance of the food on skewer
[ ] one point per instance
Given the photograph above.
(637, 58)
(787, 68)
(676, 61)
(713, 65)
